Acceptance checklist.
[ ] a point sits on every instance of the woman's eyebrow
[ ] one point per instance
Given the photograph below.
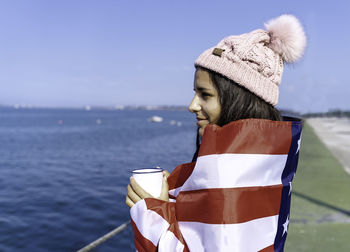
(202, 89)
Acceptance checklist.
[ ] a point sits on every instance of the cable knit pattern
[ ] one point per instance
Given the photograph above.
(248, 60)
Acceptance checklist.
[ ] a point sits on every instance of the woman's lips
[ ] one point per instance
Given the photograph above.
(201, 122)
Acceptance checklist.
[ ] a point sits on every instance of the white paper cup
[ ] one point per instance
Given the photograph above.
(150, 179)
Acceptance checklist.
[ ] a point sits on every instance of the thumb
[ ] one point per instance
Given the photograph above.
(164, 195)
(166, 173)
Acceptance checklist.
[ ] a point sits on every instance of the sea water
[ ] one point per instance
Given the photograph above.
(64, 172)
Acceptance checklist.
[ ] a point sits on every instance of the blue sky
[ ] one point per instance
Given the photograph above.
(106, 53)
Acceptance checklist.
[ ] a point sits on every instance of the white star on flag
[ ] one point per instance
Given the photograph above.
(290, 188)
(298, 145)
(285, 226)
(290, 185)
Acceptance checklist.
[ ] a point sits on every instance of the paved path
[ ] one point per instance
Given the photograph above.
(335, 134)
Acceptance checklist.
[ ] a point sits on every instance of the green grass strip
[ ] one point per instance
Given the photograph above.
(320, 211)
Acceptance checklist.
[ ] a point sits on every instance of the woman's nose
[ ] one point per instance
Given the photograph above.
(194, 106)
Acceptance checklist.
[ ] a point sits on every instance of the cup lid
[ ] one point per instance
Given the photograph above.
(147, 170)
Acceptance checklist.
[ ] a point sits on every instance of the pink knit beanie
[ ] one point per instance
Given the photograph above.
(255, 60)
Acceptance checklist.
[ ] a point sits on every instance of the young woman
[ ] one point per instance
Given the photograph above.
(235, 194)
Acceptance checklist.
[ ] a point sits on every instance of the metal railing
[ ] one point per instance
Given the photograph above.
(104, 238)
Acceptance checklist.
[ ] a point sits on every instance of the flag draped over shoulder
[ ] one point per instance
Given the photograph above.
(235, 197)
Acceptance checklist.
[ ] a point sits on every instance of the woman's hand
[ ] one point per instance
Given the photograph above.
(136, 193)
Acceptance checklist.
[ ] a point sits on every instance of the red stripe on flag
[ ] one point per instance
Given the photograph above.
(180, 174)
(268, 249)
(165, 209)
(228, 205)
(251, 136)
(141, 243)
(174, 228)
(186, 249)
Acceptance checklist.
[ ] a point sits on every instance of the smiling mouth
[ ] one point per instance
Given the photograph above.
(200, 122)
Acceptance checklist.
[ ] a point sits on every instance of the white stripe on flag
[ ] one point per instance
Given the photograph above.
(150, 224)
(174, 192)
(169, 242)
(250, 236)
(236, 170)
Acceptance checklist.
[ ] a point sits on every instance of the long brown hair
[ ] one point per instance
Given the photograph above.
(237, 103)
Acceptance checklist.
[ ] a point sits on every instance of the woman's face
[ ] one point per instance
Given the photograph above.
(206, 102)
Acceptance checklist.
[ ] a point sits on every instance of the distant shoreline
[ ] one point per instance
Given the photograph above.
(88, 107)
(285, 112)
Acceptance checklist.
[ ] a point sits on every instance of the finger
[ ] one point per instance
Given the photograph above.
(138, 189)
(166, 173)
(164, 195)
(129, 202)
(132, 195)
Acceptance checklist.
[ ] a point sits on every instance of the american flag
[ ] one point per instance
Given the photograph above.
(235, 197)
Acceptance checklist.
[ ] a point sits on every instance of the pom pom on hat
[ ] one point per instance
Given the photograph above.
(287, 37)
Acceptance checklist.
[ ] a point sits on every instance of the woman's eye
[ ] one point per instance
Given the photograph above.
(205, 94)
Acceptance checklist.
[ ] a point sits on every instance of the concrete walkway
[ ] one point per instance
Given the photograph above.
(335, 134)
